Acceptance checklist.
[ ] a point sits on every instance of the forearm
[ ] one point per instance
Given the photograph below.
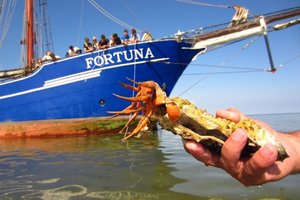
(293, 144)
(296, 133)
(296, 142)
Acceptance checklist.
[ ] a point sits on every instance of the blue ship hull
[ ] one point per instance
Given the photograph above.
(83, 86)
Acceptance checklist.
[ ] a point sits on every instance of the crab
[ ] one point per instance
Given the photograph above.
(183, 118)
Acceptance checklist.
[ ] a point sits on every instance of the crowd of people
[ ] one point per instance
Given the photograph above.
(103, 42)
(96, 44)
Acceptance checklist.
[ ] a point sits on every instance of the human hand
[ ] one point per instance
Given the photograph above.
(261, 168)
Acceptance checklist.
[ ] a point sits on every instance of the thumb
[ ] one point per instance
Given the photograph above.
(259, 164)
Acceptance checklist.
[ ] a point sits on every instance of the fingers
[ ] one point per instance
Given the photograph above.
(201, 153)
(231, 151)
(230, 154)
(260, 167)
(254, 171)
(231, 114)
(262, 159)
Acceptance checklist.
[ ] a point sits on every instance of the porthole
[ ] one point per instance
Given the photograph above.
(102, 102)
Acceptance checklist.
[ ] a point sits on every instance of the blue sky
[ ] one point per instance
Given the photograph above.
(252, 93)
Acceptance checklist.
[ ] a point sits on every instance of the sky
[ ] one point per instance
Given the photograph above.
(208, 87)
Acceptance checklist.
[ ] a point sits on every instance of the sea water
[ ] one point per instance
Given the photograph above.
(102, 167)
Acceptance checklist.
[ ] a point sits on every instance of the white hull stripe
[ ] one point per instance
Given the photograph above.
(82, 76)
(72, 78)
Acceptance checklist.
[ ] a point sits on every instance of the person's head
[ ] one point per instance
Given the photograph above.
(94, 39)
(71, 48)
(125, 32)
(86, 39)
(114, 36)
(103, 37)
(133, 31)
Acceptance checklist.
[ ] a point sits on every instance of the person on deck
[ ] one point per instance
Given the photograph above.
(95, 44)
(262, 166)
(39, 63)
(73, 51)
(103, 42)
(87, 46)
(50, 56)
(135, 37)
(125, 38)
(115, 40)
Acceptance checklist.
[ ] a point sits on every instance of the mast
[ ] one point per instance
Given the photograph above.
(45, 38)
(29, 38)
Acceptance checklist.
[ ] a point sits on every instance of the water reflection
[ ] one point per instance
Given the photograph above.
(85, 168)
(103, 167)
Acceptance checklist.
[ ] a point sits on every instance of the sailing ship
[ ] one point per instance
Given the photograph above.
(63, 96)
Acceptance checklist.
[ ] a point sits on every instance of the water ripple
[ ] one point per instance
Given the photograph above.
(122, 195)
(60, 193)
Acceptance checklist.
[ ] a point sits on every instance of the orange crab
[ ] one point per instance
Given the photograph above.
(149, 96)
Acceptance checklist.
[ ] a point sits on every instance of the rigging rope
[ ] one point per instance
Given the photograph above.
(238, 9)
(203, 4)
(224, 72)
(229, 67)
(241, 70)
(239, 52)
(80, 21)
(136, 18)
(6, 16)
(3, 3)
(219, 66)
(288, 61)
(134, 71)
(110, 16)
(207, 74)
(247, 70)
(193, 85)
